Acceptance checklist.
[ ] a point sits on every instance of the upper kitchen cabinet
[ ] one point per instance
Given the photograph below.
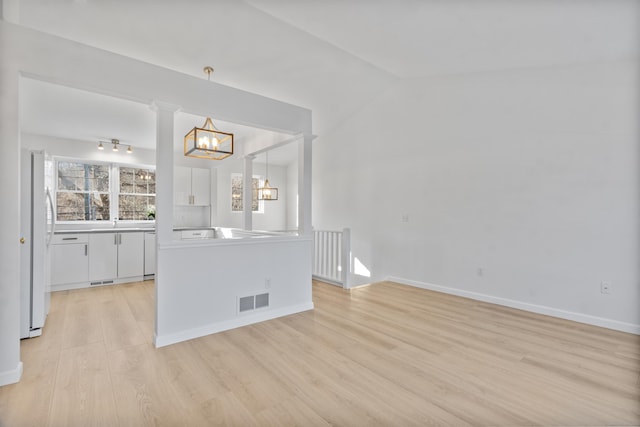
(191, 186)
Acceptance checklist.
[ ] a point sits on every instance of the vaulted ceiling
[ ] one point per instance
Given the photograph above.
(334, 56)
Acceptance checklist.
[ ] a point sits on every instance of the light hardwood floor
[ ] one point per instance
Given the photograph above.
(384, 354)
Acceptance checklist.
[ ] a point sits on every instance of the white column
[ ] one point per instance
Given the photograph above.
(304, 186)
(164, 170)
(164, 198)
(247, 192)
(10, 364)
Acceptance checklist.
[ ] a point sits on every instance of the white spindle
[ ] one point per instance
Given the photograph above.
(331, 259)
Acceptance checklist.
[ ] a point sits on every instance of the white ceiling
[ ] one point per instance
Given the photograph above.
(332, 56)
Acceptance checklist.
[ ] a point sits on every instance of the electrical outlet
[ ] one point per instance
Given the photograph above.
(606, 287)
(267, 283)
(480, 271)
(405, 217)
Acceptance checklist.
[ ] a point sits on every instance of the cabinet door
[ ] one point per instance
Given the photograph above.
(181, 185)
(149, 253)
(201, 186)
(103, 260)
(130, 255)
(69, 264)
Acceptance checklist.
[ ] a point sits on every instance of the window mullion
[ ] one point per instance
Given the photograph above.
(114, 190)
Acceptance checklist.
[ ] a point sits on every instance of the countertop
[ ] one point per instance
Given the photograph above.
(107, 230)
(124, 230)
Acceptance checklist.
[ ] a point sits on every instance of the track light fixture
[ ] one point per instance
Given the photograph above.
(115, 143)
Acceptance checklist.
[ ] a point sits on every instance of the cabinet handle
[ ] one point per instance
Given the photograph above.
(119, 239)
(69, 238)
(86, 250)
(115, 239)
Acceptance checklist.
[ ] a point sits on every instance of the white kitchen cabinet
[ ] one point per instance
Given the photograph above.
(103, 261)
(149, 253)
(69, 259)
(191, 186)
(130, 255)
(116, 256)
(181, 186)
(201, 186)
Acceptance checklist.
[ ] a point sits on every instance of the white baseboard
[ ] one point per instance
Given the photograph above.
(12, 376)
(176, 337)
(83, 285)
(540, 309)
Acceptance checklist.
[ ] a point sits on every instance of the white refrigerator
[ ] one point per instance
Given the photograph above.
(37, 225)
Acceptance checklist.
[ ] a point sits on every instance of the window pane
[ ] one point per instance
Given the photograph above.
(83, 177)
(99, 178)
(133, 207)
(236, 193)
(137, 181)
(255, 184)
(82, 206)
(71, 176)
(143, 180)
(127, 180)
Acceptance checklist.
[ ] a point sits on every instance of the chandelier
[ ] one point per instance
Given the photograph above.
(207, 142)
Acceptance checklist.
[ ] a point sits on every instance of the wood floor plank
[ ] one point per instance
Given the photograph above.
(143, 395)
(290, 412)
(83, 317)
(379, 355)
(140, 299)
(28, 402)
(119, 327)
(83, 395)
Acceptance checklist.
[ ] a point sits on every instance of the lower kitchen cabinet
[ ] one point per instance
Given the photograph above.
(130, 255)
(115, 256)
(69, 259)
(103, 262)
(149, 254)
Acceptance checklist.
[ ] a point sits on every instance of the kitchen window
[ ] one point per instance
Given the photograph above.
(236, 193)
(82, 192)
(137, 197)
(102, 192)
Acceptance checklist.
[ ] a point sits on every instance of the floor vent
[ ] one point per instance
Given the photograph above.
(262, 300)
(101, 282)
(253, 302)
(246, 304)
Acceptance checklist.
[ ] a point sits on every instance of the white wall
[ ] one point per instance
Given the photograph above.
(519, 186)
(86, 150)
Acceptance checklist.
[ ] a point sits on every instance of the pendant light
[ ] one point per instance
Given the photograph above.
(207, 142)
(267, 192)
